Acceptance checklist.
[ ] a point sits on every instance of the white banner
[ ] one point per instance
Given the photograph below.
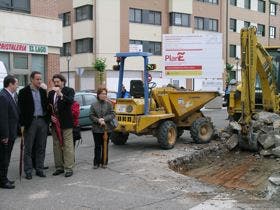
(193, 55)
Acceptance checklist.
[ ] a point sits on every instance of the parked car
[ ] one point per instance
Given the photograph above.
(111, 95)
(85, 99)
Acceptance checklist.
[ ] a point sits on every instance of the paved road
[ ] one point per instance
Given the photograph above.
(138, 177)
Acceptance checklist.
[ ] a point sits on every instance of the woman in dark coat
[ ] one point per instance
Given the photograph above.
(101, 115)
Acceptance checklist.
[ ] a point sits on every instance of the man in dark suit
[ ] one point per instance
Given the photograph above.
(9, 118)
(33, 103)
(61, 99)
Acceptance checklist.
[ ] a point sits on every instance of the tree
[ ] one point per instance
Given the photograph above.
(99, 66)
(229, 68)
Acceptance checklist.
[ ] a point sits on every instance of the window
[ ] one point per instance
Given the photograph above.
(273, 9)
(38, 63)
(179, 19)
(66, 19)
(246, 24)
(84, 45)
(152, 47)
(232, 51)
(272, 32)
(206, 24)
(22, 80)
(211, 24)
(198, 23)
(247, 4)
(261, 6)
(66, 49)
(154, 18)
(15, 5)
(148, 46)
(144, 16)
(210, 1)
(213, 1)
(84, 13)
(232, 74)
(5, 58)
(135, 42)
(261, 30)
(233, 2)
(135, 15)
(232, 24)
(20, 61)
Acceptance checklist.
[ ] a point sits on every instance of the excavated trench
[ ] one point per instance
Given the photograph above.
(240, 170)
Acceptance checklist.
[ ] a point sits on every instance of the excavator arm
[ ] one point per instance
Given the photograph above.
(256, 60)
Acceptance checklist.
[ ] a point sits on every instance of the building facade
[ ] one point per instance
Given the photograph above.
(30, 38)
(263, 14)
(99, 29)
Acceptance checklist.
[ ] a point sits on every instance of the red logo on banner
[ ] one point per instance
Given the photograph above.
(178, 57)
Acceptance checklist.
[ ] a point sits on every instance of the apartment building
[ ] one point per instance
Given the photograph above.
(263, 14)
(30, 38)
(98, 28)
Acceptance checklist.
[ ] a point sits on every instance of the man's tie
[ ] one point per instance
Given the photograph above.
(55, 103)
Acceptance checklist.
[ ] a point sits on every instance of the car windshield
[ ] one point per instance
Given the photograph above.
(79, 99)
(89, 99)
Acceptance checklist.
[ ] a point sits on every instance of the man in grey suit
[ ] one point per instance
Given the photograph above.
(9, 118)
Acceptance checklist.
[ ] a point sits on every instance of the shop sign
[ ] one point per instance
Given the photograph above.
(23, 48)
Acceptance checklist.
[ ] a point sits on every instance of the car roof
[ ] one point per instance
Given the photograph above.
(85, 93)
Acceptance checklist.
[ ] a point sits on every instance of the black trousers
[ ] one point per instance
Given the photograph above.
(35, 136)
(5, 157)
(98, 148)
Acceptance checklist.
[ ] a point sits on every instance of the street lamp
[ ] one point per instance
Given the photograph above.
(237, 62)
(68, 73)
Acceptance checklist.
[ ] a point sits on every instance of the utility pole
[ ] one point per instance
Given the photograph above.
(68, 69)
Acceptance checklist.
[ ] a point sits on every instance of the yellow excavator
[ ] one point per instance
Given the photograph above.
(258, 69)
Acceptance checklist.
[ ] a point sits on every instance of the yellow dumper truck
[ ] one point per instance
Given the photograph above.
(162, 112)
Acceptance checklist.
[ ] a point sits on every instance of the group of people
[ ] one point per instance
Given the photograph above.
(33, 110)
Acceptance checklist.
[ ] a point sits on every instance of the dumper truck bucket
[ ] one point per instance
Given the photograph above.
(186, 103)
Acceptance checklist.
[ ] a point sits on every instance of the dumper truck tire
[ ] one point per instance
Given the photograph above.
(167, 134)
(119, 138)
(202, 130)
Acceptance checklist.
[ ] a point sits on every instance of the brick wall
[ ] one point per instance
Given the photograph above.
(52, 67)
(45, 8)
